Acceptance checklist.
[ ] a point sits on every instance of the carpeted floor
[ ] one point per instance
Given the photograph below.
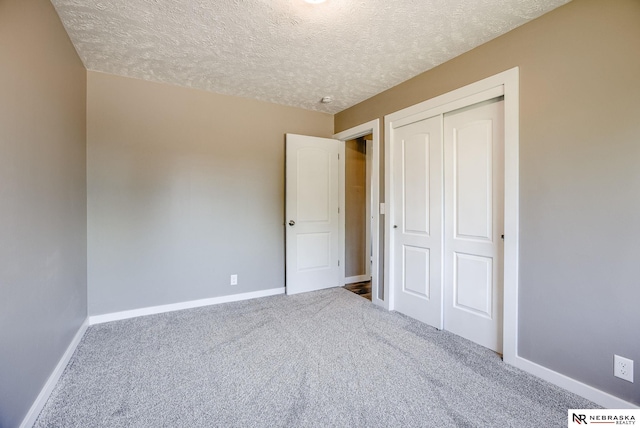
(322, 359)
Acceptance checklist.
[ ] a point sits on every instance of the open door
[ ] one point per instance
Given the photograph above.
(312, 213)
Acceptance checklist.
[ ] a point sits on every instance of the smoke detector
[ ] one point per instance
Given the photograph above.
(326, 100)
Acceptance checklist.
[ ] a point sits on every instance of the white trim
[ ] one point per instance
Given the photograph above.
(342, 184)
(511, 82)
(368, 206)
(357, 278)
(115, 316)
(505, 83)
(590, 393)
(46, 390)
(440, 109)
(456, 99)
(388, 211)
(371, 127)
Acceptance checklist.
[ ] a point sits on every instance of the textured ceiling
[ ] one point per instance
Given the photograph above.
(286, 51)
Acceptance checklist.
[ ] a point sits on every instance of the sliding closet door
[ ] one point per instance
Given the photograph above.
(474, 213)
(417, 220)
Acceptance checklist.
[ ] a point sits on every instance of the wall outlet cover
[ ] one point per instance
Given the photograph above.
(234, 279)
(623, 368)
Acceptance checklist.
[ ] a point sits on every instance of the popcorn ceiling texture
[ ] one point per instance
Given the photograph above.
(286, 51)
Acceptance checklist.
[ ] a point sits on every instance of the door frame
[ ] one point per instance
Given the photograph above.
(373, 128)
(504, 84)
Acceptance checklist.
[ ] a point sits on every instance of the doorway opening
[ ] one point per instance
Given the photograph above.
(362, 289)
(315, 200)
(357, 211)
(361, 215)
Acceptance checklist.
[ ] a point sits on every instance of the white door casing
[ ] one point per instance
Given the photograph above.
(378, 295)
(312, 221)
(417, 230)
(473, 226)
(368, 207)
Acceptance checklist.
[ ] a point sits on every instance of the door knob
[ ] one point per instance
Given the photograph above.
(292, 223)
(395, 226)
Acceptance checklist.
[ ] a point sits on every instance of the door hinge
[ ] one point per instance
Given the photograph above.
(338, 262)
(338, 210)
(338, 156)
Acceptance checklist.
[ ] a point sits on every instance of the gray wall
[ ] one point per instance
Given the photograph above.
(43, 298)
(579, 180)
(185, 188)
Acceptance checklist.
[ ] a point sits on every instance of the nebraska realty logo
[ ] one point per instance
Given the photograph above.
(581, 417)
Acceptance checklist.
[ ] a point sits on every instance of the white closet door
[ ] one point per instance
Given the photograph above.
(417, 222)
(474, 211)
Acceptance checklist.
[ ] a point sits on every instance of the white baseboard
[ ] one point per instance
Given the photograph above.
(115, 316)
(45, 392)
(590, 393)
(357, 278)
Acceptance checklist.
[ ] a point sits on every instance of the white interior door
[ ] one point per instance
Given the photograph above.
(312, 213)
(474, 212)
(417, 220)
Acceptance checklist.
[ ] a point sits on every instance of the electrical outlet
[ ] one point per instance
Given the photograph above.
(234, 279)
(623, 368)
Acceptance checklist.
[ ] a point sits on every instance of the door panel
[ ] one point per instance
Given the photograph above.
(474, 206)
(416, 271)
(314, 251)
(313, 174)
(472, 283)
(472, 160)
(417, 178)
(312, 216)
(415, 182)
